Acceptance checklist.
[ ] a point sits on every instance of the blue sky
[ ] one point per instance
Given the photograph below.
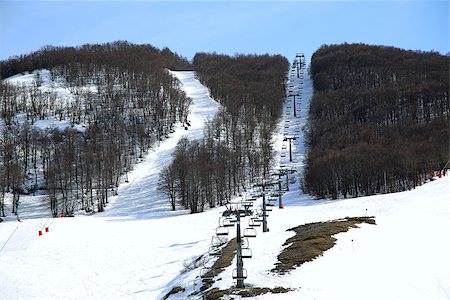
(230, 27)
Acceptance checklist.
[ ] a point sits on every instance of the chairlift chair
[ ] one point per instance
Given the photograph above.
(232, 219)
(215, 251)
(261, 214)
(240, 276)
(207, 275)
(244, 243)
(218, 241)
(221, 231)
(246, 253)
(241, 213)
(227, 222)
(250, 232)
(253, 223)
(206, 272)
(247, 203)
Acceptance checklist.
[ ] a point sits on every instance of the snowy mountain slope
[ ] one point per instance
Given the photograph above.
(128, 251)
(404, 256)
(140, 198)
(136, 248)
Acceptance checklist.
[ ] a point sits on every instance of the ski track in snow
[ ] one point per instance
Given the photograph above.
(136, 248)
(140, 199)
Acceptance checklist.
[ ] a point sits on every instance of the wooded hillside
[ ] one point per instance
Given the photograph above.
(378, 121)
(120, 93)
(237, 144)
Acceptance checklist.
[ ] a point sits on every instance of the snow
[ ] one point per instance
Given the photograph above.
(56, 87)
(136, 248)
(52, 122)
(140, 198)
(132, 250)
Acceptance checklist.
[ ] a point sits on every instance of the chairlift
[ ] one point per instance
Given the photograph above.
(242, 213)
(228, 223)
(232, 219)
(215, 251)
(244, 243)
(206, 272)
(250, 232)
(240, 276)
(221, 231)
(261, 214)
(254, 222)
(217, 241)
(246, 253)
(207, 275)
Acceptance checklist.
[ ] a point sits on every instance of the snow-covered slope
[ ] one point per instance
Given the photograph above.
(136, 249)
(404, 256)
(140, 198)
(129, 251)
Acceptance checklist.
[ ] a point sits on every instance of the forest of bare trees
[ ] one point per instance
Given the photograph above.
(378, 121)
(237, 145)
(122, 97)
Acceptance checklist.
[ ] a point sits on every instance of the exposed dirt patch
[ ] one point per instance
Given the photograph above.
(228, 254)
(312, 239)
(215, 293)
(174, 291)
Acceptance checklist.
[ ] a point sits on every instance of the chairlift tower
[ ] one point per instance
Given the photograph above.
(286, 138)
(263, 186)
(295, 109)
(264, 211)
(239, 262)
(281, 172)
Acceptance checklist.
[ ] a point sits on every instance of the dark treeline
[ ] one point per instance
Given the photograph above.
(121, 54)
(237, 148)
(122, 100)
(378, 121)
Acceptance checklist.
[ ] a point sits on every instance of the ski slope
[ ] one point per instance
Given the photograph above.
(132, 250)
(139, 198)
(136, 248)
